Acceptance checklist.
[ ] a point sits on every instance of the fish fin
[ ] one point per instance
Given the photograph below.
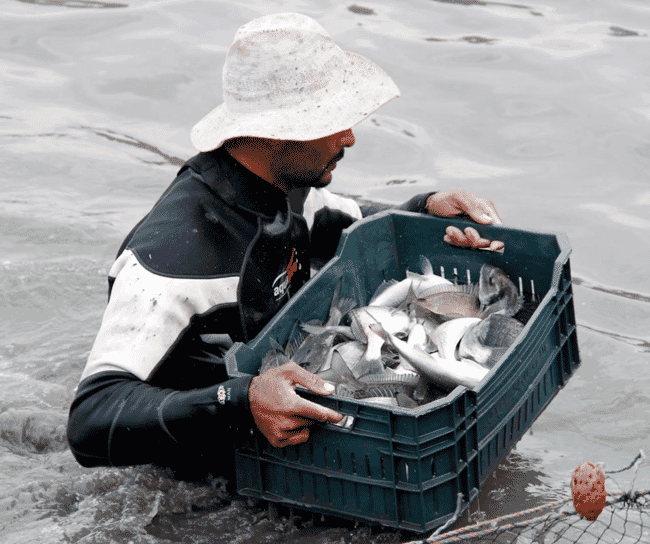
(336, 296)
(404, 401)
(469, 288)
(415, 276)
(274, 344)
(391, 377)
(410, 299)
(425, 265)
(340, 306)
(346, 305)
(318, 329)
(344, 390)
(343, 370)
(293, 345)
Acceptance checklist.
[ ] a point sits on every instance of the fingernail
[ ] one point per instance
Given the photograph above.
(486, 219)
(329, 388)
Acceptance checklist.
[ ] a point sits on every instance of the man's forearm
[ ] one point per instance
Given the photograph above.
(117, 420)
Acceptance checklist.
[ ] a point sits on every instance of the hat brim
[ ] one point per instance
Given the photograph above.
(366, 88)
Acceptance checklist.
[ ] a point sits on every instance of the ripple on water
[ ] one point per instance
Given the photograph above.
(525, 107)
(535, 149)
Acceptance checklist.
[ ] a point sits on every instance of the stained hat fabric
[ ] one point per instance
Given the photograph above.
(284, 78)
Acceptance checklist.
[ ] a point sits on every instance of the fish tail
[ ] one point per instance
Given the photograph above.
(313, 329)
(337, 295)
(274, 344)
(346, 305)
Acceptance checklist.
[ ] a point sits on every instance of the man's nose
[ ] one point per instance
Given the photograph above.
(347, 138)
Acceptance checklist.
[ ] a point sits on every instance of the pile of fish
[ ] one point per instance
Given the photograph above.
(415, 341)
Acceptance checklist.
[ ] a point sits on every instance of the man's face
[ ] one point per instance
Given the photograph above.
(309, 163)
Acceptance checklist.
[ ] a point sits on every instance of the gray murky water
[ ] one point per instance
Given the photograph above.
(544, 108)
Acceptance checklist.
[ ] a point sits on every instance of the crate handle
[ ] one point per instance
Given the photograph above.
(346, 423)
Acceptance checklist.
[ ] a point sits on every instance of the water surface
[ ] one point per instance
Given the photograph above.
(543, 108)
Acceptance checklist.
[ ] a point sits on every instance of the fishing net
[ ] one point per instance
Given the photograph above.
(625, 520)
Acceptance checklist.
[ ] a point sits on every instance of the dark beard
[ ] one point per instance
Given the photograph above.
(298, 181)
(302, 180)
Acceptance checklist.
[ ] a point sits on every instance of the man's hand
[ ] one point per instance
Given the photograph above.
(481, 210)
(279, 412)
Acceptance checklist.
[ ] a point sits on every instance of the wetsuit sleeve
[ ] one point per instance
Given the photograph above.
(139, 400)
(416, 204)
(117, 420)
(328, 214)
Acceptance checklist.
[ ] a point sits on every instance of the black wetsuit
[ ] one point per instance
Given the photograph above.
(218, 255)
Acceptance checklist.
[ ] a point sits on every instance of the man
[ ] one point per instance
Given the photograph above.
(227, 244)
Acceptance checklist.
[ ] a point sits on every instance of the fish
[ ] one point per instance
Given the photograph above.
(274, 357)
(441, 371)
(340, 373)
(393, 293)
(390, 378)
(494, 293)
(448, 335)
(427, 279)
(315, 351)
(486, 341)
(393, 320)
(444, 302)
(497, 293)
(417, 337)
(404, 401)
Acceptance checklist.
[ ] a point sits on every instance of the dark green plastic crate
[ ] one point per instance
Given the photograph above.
(404, 468)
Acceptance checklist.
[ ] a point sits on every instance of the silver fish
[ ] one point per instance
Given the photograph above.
(427, 279)
(340, 373)
(417, 337)
(496, 293)
(394, 321)
(440, 371)
(393, 293)
(448, 335)
(316, 351)
(485, 342)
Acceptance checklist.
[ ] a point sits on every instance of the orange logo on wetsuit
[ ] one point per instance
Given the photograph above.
(281, 283)
(292, 266)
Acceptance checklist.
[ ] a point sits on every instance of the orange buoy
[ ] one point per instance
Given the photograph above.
(588, 490)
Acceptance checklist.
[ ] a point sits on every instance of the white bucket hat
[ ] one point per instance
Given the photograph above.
(284, 78)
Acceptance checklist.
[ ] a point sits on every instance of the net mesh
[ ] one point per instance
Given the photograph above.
(624, 520)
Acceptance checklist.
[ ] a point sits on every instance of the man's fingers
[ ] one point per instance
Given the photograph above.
(458, 201)
(456, 236)
(470, 238)
(481, 210)
(314, 383)
(296, 437)
(311, 410)
(475, 239)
